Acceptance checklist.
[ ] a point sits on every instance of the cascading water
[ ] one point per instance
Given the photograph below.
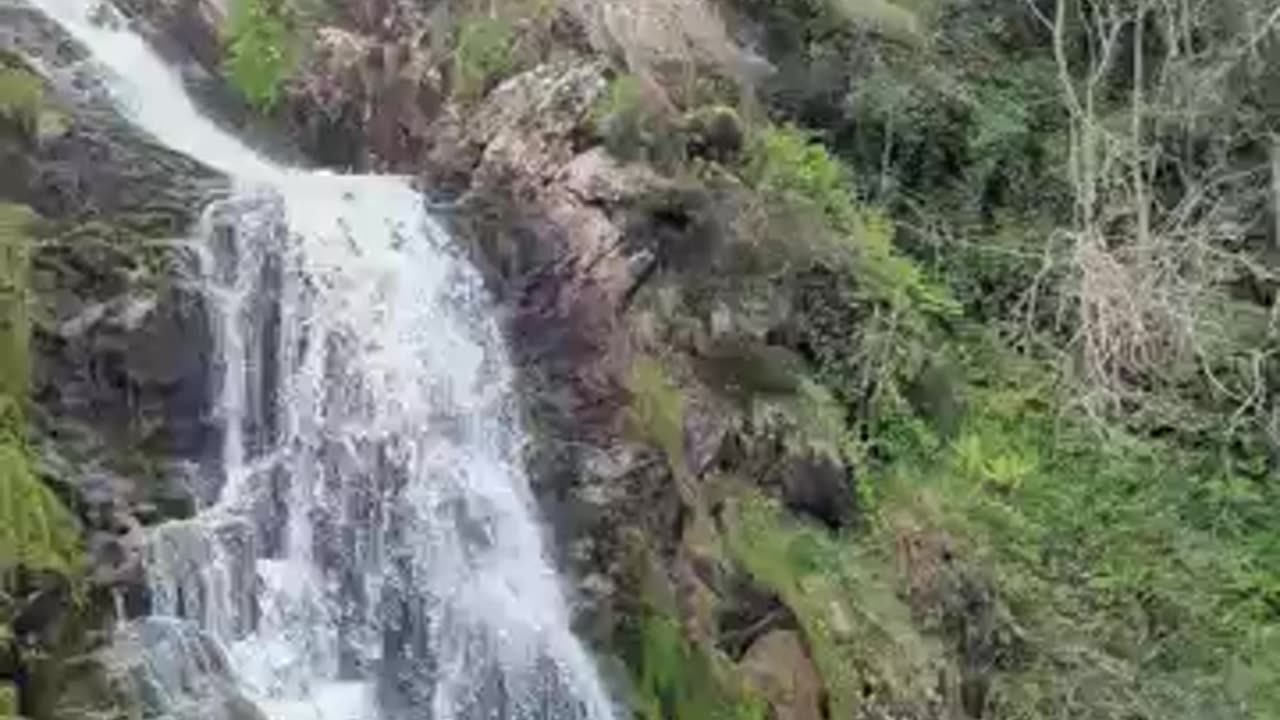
(371, 551)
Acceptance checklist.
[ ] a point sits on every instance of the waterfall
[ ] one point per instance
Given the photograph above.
(371, 550)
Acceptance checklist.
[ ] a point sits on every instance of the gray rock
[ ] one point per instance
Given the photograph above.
(821, 488)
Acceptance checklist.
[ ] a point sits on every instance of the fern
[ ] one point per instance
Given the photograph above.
(36, 530)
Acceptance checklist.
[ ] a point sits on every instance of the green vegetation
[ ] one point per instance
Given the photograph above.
(1023, 271)
(36, 530)
(656, 411)
(262, 49)
(21, 96)
(800, 181)
(859, 633)
(674, 681)
(484, 53)
(1141, 569)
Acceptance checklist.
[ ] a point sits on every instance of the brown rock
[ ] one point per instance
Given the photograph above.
(779, 669)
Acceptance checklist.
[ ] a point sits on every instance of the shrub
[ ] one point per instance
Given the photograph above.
(799, 179)
(483, 54)
(261, 49)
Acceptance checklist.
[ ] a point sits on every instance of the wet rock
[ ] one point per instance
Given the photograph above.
(366, 99)
(779, 668)
(159, 668)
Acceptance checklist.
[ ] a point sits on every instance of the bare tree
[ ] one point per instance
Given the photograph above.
(1161, 206)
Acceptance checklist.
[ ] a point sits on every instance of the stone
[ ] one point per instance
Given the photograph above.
(819, 487)
(780, 670)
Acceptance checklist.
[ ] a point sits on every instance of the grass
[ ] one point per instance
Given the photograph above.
(675, 681)
(1143, 571)
(1131, 577)
(655, 413)
(859, 632)
(261, 50)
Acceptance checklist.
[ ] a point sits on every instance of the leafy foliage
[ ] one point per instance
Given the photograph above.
(261, 48)
(37, 532)
(801, 180)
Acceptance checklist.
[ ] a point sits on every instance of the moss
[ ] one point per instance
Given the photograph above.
(15, 221)
(844, 596)
(36, 531)
(21, 98)
(655, 413)
(8, 700)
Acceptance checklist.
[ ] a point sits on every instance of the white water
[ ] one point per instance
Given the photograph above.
(372, 552)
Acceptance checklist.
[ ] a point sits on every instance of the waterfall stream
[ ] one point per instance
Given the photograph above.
(371, 549)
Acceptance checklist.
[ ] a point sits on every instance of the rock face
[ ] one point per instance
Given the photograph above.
(119, 352)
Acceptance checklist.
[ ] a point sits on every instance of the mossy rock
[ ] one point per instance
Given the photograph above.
(21, 98)
(715, 132)
(8, 700)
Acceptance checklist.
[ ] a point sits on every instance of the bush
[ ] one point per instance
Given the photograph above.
(800, 181)
(262, 50)
(484, 53)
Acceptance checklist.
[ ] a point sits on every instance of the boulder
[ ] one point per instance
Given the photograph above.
(820, 487)
(778, 667)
